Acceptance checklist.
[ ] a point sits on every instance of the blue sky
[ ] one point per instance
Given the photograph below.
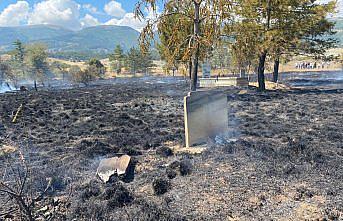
(71, 14)
(77, 14)
(128, 5)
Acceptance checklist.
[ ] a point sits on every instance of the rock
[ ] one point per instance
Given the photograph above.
(111, 166)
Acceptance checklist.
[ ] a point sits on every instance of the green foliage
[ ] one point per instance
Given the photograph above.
(117, 59)
(189, 29)
(175, 33)
(277, 28)
(137, 61)
(18, 52)
(97, 67)
(221, 56)
(36, 60)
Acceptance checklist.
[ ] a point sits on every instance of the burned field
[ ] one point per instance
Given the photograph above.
(283, 161)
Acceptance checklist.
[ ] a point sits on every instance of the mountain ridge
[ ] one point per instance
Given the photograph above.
(96, 39)
(99, 40)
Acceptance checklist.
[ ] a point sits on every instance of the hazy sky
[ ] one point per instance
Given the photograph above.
(74, 14)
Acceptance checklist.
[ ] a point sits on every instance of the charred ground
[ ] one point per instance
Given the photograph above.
(285, 161)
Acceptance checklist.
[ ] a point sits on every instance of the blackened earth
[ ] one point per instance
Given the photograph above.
(285, 161)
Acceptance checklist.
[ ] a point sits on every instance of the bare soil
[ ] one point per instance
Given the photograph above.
(283, 163)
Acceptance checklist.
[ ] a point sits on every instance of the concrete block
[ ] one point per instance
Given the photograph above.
(223, 82)
(206, 115)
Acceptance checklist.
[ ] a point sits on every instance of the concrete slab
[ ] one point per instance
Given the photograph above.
(206, 115)
(223, 82)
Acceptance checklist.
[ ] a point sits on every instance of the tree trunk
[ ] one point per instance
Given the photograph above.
(276, 70)
(35, 84)
(190, 69)
(263, 55)
(260, 73)
(194, 75)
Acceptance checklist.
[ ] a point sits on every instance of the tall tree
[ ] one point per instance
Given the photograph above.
(174, 35)
(37, 61)
(307, 31)
(278, 26)
(19, 51)
(137, 61)
(133, 61)
(205, 19)
(117, 58)
(147, 62)
(18, 58)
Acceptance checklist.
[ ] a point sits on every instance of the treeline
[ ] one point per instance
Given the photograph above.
(26, 62)
(133, 61)
(78, 55)
(30, 62)
(255, 32)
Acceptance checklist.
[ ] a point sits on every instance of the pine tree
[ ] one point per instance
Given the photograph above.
(133, 60)
(117, 59)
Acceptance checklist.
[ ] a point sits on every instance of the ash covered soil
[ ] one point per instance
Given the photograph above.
(284, 161)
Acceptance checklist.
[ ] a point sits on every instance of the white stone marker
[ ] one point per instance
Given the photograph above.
(206, 115)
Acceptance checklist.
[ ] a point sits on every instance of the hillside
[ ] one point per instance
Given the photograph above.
(28, 34)
(98, 39)
(93, 39)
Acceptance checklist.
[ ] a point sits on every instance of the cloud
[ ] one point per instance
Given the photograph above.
(128, 20)
(64, 13)
(89, 21)
(91, 9)
(114, 9)
(15, 14)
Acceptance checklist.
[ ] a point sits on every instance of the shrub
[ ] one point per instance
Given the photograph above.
(161, 186)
